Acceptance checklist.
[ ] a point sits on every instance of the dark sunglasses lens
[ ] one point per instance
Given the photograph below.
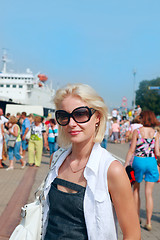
(62, 117)
(81, 115)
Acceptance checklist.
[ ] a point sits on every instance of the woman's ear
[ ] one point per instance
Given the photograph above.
(98, 118)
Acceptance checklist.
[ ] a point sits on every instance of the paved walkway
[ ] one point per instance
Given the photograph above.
(18, 187)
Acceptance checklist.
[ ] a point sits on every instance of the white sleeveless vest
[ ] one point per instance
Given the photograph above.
(99, 213)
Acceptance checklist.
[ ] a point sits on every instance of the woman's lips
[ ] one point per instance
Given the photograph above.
(74, 132)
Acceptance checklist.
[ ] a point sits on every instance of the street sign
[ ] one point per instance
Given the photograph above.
(154, 88)
(124, 102)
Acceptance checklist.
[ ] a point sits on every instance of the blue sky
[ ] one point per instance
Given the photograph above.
(97, 42)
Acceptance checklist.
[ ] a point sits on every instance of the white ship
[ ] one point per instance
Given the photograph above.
(25, 88)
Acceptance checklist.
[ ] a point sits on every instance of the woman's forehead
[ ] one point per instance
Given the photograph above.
(71, 102)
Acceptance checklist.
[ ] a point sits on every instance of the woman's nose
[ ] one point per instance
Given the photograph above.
(72, 122)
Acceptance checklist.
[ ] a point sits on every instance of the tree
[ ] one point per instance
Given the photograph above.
(148, 99)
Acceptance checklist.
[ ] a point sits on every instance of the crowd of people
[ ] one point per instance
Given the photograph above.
(87, 189)
(22, 133)
(120, 125)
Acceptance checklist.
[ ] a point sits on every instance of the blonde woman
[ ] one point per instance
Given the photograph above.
(14, 151)
(87, 186)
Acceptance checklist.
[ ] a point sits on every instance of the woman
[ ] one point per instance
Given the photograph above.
(115, 129)
(52, 133)
(136, 123)
(144, 145)
(1, 142)
(86, 182)
(14, 131)
(35, 146)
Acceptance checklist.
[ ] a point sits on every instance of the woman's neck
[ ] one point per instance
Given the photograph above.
(81, 151)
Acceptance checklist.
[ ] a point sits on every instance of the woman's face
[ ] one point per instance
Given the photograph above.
(37, 123)
(78, 132)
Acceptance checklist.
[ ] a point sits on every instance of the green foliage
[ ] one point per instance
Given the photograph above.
(149, 99)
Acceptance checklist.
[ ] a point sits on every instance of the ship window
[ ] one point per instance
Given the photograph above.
(20, 86)
(1, 85)
(14, 86)
(8, 85)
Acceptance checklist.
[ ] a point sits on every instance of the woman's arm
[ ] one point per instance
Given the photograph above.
(132, 147)
(2, 130)
(122, 198)
(157, 148)
(47, 132)
(15, 131)
(45, 139)
(157, 145)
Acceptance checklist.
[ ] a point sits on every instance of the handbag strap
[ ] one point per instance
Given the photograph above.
(55, 158)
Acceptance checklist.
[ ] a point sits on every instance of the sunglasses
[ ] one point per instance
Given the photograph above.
(80, 115)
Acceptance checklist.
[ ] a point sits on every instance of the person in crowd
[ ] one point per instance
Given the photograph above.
(115, 129)
(122, 131)
(2, 118)
(139, 110)
(19, 120)
(144, 145)
(31, 118)
(35, 146)
(118, 117)
(124, 114)
(86, 186)
(14, 151)
(47, 122)
(114, 113)
(8, 116)
(130, 117)
(106, 135)
(135, 124)
(25, 129)
(1, 141)
(19, 123)
(52, 133)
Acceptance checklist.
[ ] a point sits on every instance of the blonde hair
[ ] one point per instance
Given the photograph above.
(13, 120)
(92, 99)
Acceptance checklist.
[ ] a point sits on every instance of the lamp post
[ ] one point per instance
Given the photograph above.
(134, 88)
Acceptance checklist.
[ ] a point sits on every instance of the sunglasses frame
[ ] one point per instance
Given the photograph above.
(90, 110)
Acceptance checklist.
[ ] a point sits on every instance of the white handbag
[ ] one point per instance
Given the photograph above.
(28, 135)
(30, 227)
(31, 223)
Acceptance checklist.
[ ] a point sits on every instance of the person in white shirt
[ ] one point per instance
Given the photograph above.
(139, 110)
(114, 113)
(86, 188)
(2, 118)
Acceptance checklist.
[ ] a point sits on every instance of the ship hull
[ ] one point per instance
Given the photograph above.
(3, 105)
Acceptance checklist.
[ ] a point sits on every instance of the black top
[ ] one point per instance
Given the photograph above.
(66, 216)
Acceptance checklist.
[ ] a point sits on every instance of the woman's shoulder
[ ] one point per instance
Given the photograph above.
(148, 132)
(115, 171)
